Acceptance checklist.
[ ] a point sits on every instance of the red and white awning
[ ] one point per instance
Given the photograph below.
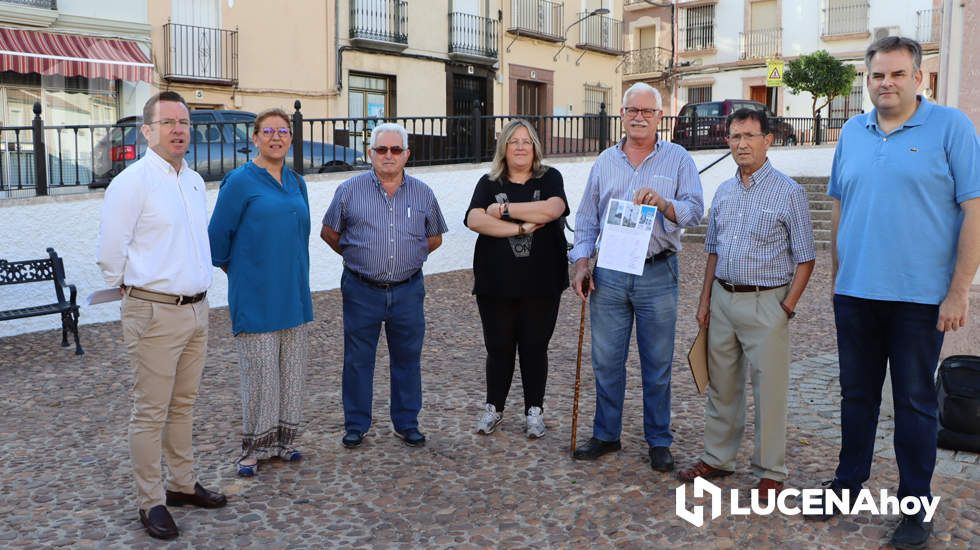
(51, 53)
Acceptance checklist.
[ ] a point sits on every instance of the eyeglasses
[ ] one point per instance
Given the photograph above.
(383, 150)
(647, 113)
(737, 138)
(282, 131)
(171, 123)
(520, 142)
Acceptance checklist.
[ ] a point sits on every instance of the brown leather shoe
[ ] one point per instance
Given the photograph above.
(158, 523)
(703, 470)
(202, 498)
(765, 485)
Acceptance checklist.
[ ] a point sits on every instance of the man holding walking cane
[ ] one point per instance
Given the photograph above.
(653, 172)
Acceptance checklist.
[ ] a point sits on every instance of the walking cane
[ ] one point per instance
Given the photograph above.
(578, 367)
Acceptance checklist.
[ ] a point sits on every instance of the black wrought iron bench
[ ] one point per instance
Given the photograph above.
(47, 269)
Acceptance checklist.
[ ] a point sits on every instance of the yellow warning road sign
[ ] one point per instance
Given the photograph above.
(774, 72)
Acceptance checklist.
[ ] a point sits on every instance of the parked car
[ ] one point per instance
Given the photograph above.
(710, 117)
(221, 140)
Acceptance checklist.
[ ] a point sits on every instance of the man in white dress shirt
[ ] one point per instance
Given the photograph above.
(153, 245)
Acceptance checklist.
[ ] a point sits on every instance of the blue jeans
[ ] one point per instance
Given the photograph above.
(652, 299)
(870, 335)
(400, 308)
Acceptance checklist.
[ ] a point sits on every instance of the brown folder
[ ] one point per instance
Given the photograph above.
(697, 358)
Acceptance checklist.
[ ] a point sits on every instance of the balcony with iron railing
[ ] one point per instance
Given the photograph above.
(760, 44)
(845, 19)
(929, 25)
(639, 4)
(540, 19)
(472, 38)
(599, 33)
(645, 61)
(200, 54)
(379, 24)
(41, 4)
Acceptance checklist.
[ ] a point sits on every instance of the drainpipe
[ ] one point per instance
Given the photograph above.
(336, 45)
(673, 57)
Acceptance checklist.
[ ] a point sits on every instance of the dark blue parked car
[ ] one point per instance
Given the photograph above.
(220, 142)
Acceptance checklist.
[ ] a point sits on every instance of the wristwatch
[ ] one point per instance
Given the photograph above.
(789, 312)
(520, 229)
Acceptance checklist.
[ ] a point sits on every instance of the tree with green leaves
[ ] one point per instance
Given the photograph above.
(821, 74)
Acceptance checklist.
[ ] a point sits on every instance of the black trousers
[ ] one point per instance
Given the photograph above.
(517, 325)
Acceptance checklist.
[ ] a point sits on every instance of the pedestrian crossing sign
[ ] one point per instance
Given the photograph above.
(774, 73)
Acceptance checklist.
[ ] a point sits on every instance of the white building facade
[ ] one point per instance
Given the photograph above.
(719, 48)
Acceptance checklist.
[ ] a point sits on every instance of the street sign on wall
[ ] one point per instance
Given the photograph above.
(774, 73)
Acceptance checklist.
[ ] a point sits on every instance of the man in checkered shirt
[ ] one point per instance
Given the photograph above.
(760, 257)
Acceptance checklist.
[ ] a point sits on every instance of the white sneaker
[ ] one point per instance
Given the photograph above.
(489, 419)
(534, 426)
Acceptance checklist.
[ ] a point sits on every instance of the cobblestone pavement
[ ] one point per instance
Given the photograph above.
(66, 479)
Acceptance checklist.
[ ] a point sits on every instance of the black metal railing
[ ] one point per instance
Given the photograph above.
(600, 32)
(760, 44)
(43, 4)
(200, 54)
(703, 132)
(42, 160)
(472, 35)
(381, 20)
(645, 60)
(537, 18)
(847, 18)
(929, 25)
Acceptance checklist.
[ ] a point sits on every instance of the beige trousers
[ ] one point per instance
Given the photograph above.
(747, 329)
(166, 346)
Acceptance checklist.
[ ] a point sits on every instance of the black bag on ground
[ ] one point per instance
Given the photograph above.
(958, 388)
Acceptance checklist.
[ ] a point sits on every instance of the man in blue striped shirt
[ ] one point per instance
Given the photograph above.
(760, 257)
(384, 223)
(646, 170)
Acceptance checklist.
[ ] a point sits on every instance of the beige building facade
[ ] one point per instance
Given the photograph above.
(392, 58)
(562, 58)
(960, 58)
(440, 58)
(244, 55)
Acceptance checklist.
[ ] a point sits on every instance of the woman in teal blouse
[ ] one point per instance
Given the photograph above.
(260, 233)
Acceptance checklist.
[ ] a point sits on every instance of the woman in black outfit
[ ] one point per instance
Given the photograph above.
(520, 270)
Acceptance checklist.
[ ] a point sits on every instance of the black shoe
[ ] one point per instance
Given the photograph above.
(818, 501)
(159, 523)
(594, 448)
(202, 498)
(353, 439)
(411, 437)
(912, 532)
(660, 459)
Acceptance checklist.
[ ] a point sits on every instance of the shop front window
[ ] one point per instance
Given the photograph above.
(72, 110)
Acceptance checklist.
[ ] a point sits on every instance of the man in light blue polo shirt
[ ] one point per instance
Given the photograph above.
(906, 245)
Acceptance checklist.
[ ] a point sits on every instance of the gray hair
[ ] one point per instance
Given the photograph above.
(643, 87)
(892, 43)
(389, 127)
(498, 167)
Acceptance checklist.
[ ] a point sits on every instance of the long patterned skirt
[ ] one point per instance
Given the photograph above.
(272, 367)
